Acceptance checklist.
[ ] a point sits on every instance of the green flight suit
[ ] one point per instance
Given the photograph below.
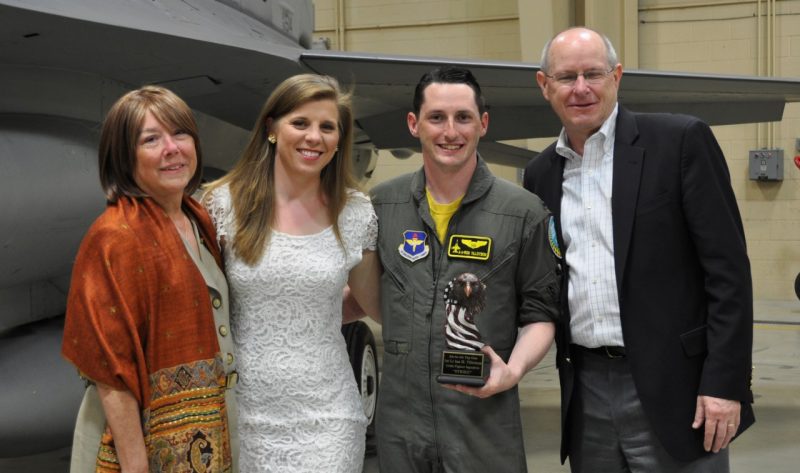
(422, 426)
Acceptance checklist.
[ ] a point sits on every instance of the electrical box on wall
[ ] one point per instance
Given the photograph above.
(766, 164)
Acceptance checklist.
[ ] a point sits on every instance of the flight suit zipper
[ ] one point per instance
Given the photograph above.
(437, 264)
(435, 253)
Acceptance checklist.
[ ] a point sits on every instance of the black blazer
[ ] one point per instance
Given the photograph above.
(683, 276)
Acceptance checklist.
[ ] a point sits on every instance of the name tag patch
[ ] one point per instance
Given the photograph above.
(469, 247)
(415, 245)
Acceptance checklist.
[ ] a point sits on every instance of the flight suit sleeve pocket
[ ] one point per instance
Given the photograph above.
(397, 318)
(694, 341)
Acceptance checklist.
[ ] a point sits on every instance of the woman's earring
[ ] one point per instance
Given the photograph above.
(272, 138)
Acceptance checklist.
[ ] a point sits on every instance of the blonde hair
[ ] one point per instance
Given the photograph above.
(120, 132)
(252, 179)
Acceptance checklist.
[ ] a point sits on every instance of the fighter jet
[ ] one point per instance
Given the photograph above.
(63, 63)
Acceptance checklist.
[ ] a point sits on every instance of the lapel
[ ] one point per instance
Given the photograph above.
(551, 190)
(628, 160)
(545, 181)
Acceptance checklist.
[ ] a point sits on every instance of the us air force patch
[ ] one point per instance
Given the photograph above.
(552, 237)
(469, 247)
(414, 246)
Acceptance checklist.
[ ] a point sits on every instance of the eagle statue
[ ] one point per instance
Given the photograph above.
(464, 299)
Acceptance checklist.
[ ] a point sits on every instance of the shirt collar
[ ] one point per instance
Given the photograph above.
(481, 182)
(607, 130)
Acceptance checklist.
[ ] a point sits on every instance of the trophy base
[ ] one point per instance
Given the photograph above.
(470, 368)
(465, 380)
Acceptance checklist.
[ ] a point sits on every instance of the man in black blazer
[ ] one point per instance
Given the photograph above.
(654, 348)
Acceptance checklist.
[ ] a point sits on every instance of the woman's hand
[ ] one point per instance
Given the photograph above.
(123, 415)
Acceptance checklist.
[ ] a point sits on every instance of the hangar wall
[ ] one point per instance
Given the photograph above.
(448, 28)
(752, 37)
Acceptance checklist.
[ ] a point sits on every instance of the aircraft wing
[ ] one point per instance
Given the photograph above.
(384, 88)
(225, 64)
(220, 60)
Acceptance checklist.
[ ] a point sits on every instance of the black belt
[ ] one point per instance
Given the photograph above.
(605, 351)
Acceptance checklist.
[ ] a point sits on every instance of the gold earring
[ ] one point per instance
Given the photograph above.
(336, 150)
(272, 138)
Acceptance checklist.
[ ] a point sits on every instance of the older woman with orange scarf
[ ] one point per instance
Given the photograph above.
(146, 320)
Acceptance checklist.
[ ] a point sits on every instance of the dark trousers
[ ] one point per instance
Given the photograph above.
(395, 455)
(609, 430)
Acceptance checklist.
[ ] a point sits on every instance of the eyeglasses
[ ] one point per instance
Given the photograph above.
(592, 76)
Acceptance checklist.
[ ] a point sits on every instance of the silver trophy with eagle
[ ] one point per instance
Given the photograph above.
(463, 362)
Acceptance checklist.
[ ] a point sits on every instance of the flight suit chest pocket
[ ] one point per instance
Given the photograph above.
(497, 322)
(397, 314)
(498, 267)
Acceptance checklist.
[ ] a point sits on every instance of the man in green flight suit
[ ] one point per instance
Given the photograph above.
(452, 217)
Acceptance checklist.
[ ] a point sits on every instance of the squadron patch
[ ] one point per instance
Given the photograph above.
(552, 237)
(415, 245)
(469, 247)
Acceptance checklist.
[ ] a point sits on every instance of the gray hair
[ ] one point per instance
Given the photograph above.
(611, 53)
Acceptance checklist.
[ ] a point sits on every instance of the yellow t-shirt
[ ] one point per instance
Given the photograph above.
(441, 214)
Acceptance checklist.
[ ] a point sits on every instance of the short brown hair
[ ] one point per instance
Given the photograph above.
(448, 75)
(120, 132)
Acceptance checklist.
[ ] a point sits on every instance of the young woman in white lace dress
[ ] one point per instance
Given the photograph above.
(294, 234)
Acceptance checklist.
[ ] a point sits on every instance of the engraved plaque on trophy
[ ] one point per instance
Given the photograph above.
(463, 362)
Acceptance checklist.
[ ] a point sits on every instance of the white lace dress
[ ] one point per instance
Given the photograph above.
(299, 407)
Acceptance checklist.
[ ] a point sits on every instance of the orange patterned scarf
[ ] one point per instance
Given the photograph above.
(139, 318)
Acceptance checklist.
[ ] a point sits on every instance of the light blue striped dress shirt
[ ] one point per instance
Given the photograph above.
(587, 229)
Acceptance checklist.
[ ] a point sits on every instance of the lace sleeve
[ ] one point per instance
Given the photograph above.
(371, 233)
(218, 204)
(363, 220)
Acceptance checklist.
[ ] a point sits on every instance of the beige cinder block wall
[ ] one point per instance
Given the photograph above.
(447, 28)
(749, 37)
(742, 37)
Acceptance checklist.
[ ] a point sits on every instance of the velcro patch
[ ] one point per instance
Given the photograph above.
(469, 247)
